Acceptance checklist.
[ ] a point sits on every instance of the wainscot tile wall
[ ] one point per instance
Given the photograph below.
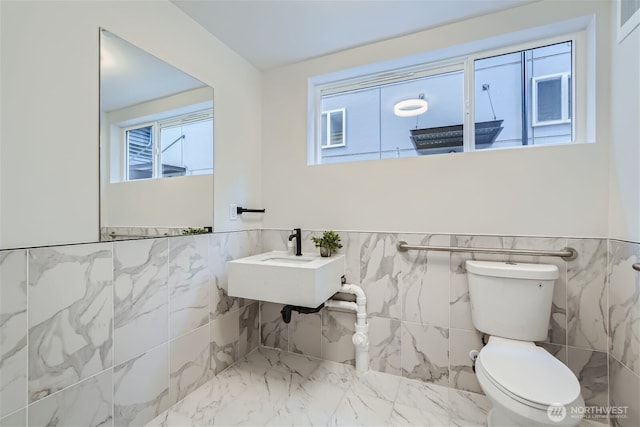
(114, 333)
(420, 318)
(624, 332)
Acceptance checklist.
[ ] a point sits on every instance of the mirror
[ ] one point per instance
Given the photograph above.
(156, 146)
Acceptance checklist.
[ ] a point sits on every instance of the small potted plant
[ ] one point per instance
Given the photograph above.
(328, 243)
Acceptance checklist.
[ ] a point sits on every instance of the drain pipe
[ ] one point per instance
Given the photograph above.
(361, 336)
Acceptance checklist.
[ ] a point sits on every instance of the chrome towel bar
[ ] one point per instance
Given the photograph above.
(568, 254)
(636, 266)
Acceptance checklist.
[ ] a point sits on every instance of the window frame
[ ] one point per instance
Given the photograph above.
(327, 143)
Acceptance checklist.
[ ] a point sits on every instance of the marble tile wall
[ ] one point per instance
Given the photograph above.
(419, 314)
(624, 331)
(113, 333)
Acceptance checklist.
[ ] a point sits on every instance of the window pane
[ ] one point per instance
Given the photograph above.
(424, 133)
(140, 152)
(373, 131)
(549, 100)
(336, 128)
(498, 101)
(362, 127)
(187, 149)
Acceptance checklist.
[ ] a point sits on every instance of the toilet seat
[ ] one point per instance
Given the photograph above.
(527, 373)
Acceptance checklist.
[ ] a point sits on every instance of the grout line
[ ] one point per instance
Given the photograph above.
(113, 331)
(169, 327)
(70, 386)
(28, 347)
(607, 284)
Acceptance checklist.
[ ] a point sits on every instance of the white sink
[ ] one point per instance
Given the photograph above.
(277, 276)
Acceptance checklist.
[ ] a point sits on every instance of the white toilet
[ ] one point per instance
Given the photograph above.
(526, 385)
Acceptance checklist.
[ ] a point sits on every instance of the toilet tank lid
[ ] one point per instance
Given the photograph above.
(513, 270)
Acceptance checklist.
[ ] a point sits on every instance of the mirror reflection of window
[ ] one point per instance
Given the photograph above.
(179, 146)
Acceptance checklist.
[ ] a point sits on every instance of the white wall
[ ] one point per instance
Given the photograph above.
(544, 191)
(624, 206)
(182, 201)
(49, 113)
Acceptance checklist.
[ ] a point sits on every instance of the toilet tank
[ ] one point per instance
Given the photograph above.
(511, 300)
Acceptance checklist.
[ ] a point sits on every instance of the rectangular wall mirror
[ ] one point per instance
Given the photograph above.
(156, 145)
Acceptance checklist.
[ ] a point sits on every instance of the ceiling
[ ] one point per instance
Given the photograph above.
(272, 33)
(129, 75)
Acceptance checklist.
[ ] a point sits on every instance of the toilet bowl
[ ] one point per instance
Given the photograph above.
(527, 386)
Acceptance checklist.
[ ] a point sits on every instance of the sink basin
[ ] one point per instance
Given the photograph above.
(277, 276)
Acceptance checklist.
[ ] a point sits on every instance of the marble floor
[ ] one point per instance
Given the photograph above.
(274, 388)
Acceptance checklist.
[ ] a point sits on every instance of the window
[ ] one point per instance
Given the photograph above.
(177, 146)
(332, 128)
(551, 99)
(139, 142)
(508, 97)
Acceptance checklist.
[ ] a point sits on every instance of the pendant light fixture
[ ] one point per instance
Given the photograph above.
(411, 107)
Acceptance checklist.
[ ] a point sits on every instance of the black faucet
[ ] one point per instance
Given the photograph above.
(298, 235)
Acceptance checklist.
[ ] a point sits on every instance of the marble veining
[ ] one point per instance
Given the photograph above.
(624, 391)
(461, 374)
(305, 331)
(225, 333)
(70, 316)
(587, 311)
(87, 404)
(248, 329)
(425, 353)
(624, 304)
(141, 387)
(273, 331)
(379, 274)
(338, 328)
(189, 277)
(225, 247)
(590, 367)
(384, 345)
(424, 281)
(190, 363)
(141, 305)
